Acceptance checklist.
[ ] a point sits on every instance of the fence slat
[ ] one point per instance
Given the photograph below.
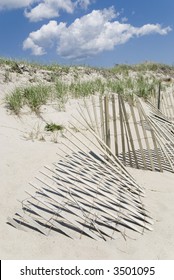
(129, 132)
(107, 122)
(145, 134)
(115, 124)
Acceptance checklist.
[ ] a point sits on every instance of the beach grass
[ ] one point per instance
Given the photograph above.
(128, 80)
(32, 96)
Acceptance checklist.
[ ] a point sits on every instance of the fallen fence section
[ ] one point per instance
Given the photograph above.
(87, 192)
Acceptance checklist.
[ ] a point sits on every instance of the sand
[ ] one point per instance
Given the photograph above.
(23, 155)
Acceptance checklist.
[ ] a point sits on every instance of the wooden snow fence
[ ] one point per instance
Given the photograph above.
(86, 192)
(164, 100)
(134, 131)
(164, 132)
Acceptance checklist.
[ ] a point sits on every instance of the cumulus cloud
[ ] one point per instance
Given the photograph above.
(48, 9)
(45, 37)
(86, 36)
(14, 4)
(36, 50)
(36, 10)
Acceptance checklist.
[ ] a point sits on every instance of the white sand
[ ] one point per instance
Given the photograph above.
(21, 160)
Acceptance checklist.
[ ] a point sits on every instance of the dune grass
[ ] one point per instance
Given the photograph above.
(128, 80)
(80, 89)
(32, 96)
(14, 100)
(36, 95)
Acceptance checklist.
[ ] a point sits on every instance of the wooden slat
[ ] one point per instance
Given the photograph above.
(145, 135)
(121, 169)
(68, 217)
(129, 131)
(105, 210)
(172, 104)
(122, 131)
(102, 118)
(137, 132)
(108, 200)
(15, 224)
(154, 140)
(31, 221)
(95, 116)
(115, 125)
(89, 114)
(101, 187)
(86, 218)
(107, 175)
(107, 122)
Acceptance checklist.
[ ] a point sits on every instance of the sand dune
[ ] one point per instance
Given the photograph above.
(24, 153)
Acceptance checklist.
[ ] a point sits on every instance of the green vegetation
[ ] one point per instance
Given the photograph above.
(115, 86)
(33, 96)
(61, 90)
(60, 94)
(15, 100)
(142, 67)
(53, 127)
(128, 80)
(144, 87)
(85, 88)
(36, 95)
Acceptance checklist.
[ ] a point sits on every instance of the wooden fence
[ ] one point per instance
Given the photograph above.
(131, 130)
(83, 194)
(163, 100)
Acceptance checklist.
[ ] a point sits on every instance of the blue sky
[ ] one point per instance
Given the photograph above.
(92, 32)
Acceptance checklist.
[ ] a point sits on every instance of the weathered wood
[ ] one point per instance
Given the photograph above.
(115, 124)
(69, 218)
(31, 221)
(171, 106)
(154, 140)
(89, 114)
(102, 118)
(159, 96)
(15, 224)
(120, 168)
(137, 132)
(107, 123)
(122, 131)
(95, 116)
(113, 180)
(100, 189)
(114, 208)
(129, 132)
(145, 135)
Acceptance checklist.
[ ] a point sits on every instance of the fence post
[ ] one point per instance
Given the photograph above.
(159, 95)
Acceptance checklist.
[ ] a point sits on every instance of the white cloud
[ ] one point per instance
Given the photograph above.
(36, 50)
(14, 4)
(84, 3)
(36, 10)
(88, 35)
(43, 38)
(49, 9)
(124, 19)
(152, 28)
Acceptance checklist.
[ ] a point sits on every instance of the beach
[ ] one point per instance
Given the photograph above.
(25, 149)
